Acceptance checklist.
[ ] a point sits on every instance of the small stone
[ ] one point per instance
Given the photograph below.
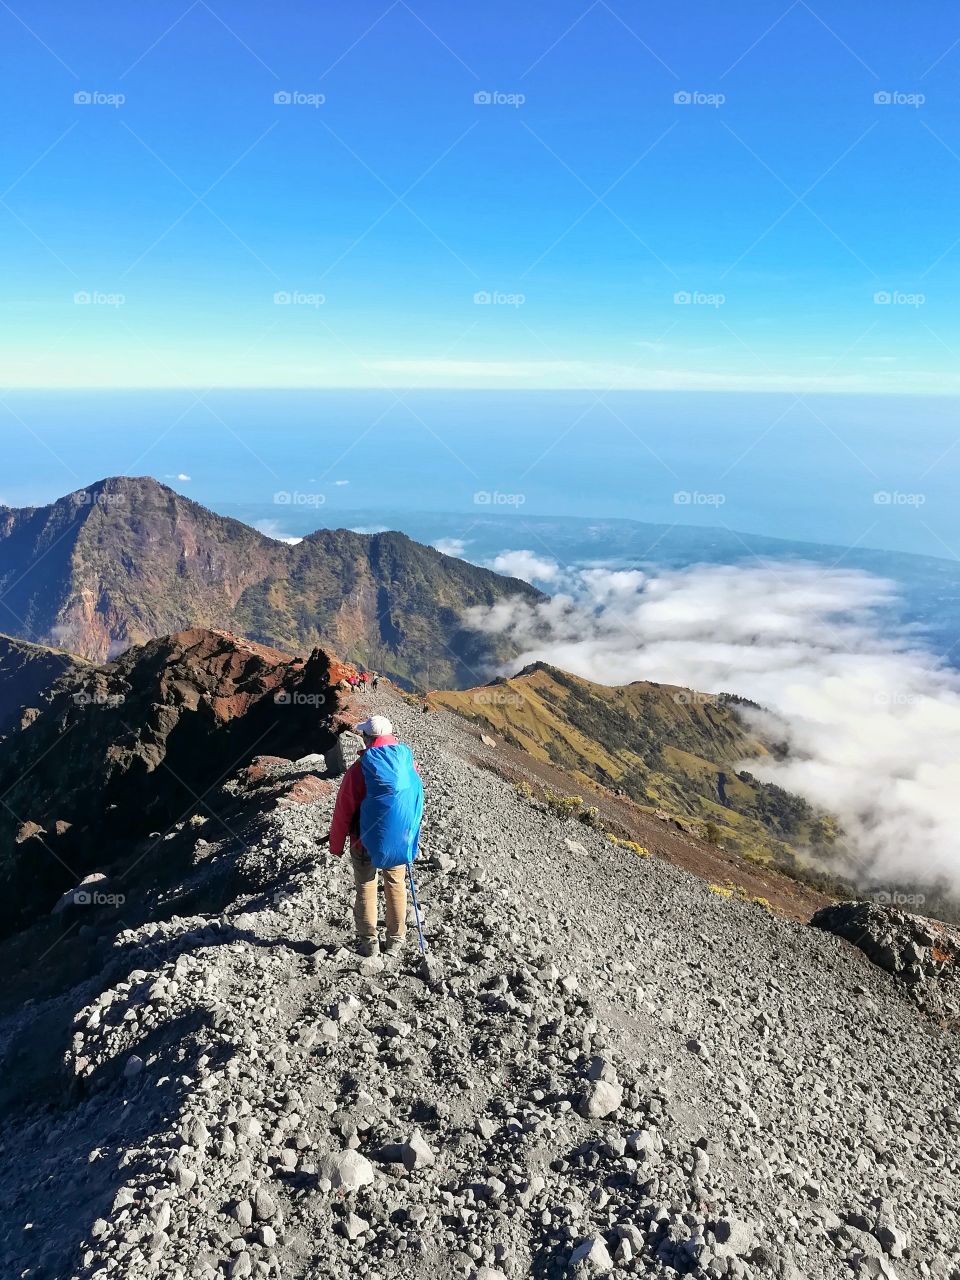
(264, 1205)
(591, 1257)
(415, 1153)
(602, 1098)
(123, 1197)
(355, 1226)
(347, 1169)
(183, 1177)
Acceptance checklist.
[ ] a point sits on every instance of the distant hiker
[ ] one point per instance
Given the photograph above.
(363, 682)
(375, 682)
(379, 807)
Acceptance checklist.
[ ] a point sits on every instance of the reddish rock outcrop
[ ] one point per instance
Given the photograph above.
(123, 750)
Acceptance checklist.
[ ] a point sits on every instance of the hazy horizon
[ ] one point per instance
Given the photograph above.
(844, 471)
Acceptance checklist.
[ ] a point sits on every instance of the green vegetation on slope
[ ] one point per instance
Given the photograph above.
(665, 747)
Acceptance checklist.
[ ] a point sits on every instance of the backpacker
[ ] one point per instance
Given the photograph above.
(392, 807)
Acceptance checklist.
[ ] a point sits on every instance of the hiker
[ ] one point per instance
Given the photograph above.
(363, 682)
(380, 808)
(375, 682)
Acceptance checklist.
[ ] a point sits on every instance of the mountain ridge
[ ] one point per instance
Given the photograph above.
(667, 748)
(129, 559)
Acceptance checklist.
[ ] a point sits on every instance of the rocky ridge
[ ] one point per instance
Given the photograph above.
(601, 1068)
(112, 752)
(26, 671)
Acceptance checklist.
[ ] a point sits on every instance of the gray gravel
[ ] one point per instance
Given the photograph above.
(605, 1068)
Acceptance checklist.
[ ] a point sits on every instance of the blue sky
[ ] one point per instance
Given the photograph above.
(183, 228)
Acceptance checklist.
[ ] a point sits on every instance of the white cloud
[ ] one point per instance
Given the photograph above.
(451, 546)
(271, 529)
(370, 528)
(181, 475)
(341, 482)
(873, 722)
(526, 565)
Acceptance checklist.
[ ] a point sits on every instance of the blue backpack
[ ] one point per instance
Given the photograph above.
(392, 808)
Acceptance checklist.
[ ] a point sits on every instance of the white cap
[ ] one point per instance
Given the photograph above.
(375, 727)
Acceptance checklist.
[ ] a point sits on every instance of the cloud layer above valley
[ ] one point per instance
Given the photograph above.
(872, 718)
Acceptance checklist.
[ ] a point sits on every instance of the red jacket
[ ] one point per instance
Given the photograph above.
(346, 813)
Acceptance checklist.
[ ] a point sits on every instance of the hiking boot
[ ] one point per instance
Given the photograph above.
(368, 947)
(393, 946)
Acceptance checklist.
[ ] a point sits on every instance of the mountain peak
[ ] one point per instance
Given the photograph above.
(128, 558)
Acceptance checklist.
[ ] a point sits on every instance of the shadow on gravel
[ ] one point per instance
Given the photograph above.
(62, 1185)
(62, 1138)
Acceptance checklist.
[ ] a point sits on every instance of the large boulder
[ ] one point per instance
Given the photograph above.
(922, 953)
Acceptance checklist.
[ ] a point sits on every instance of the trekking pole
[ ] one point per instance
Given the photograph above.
(416, 909)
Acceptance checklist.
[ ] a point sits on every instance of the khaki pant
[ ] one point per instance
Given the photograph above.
(365, 906)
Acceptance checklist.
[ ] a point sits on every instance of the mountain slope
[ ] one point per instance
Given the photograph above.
(602, 1058)
(129, 559)
(26, 670)
(667, 748)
